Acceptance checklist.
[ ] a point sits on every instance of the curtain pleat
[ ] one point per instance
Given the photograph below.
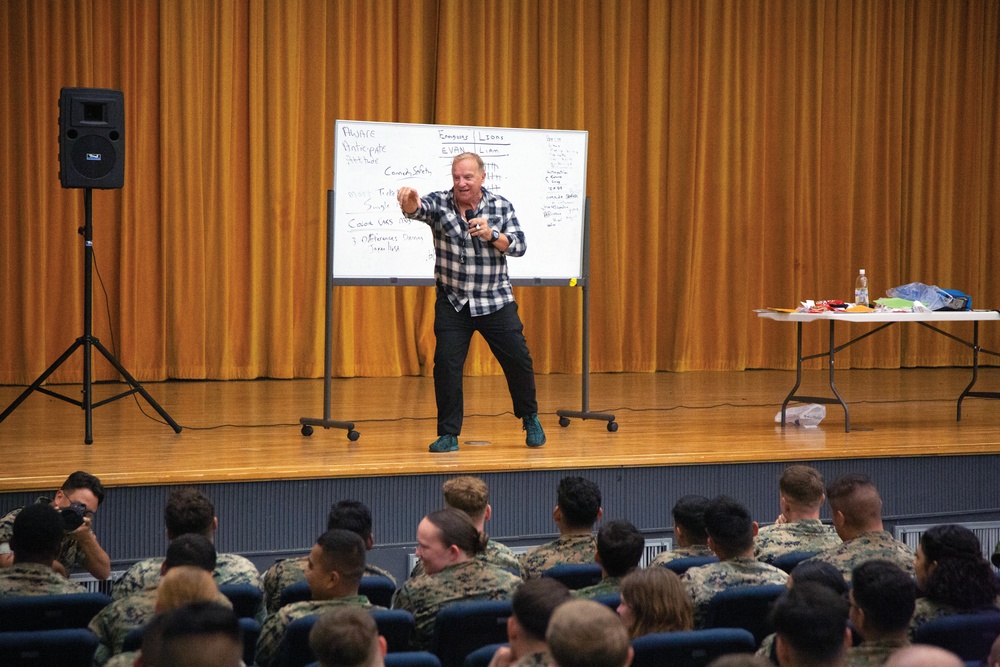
(740, 155)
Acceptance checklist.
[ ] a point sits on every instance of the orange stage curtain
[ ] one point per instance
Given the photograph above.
(741, 154)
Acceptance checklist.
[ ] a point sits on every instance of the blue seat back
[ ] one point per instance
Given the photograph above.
(69, 647)
(412, 659)
(610, 600)
(297, 592)
(482, 656)
(694, 648)
(377, 589)
(461, 628)
(969, 636)
(50, 612)
(246, 598)
(682, 565)
(576, 576)
(746, 607)
(787, 562)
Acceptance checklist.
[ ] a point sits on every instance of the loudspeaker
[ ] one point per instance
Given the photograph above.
(91, 138)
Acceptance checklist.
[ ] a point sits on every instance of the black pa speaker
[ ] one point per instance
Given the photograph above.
(91, 138)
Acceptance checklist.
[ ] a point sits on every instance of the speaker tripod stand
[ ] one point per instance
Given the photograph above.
(87, 341)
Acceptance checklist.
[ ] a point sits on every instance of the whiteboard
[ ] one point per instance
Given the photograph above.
(542, 172)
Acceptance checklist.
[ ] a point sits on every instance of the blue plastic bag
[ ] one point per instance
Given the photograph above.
(931, 296)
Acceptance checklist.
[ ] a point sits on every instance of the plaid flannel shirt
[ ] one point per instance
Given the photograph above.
(467, 276)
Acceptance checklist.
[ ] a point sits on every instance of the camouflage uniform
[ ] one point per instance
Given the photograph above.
(692, 551)
(229, 569)
(496, 554)
(928, 610)
(808, 535)
(704, 581)
(873, 545)
(463, 582)
(607, 586)
(269, 642)
(873, 653)
(71, 554)
(34, 579)
(534, 660)
(568, 549)
(767, 649)
(288, 571)
(113, 623)
(126, 659)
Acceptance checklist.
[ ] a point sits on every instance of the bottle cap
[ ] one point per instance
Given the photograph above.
(862, 272)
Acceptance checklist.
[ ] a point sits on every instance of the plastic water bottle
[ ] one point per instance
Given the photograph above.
(861, 289)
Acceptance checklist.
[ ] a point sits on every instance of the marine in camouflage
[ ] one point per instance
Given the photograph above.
(273, 631)
(462, 582)
(928, 610)
(496, 554)
(704, 581)
(34, 579)
(806, 535)
(873, 653)
(71, 554)
(873, 545)
(534, 660)
(289, 571)
(567, 550)
(229, 569)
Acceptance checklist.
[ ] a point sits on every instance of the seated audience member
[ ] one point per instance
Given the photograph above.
(654, 600)
(584, 633)
(921, 655)
(619, 549)
(334, 570)
(857, 518)
(37, 536)
(347, 637)
(79, 549)
(352, 515)
(740, 660)
(179, 586)
(730, 536)
(818, 572)
(472, 496)
(534, 602)
(690, 537)
(578, 507)
(881, 600)
(199, 634)
(810, 622)
(188, 512)
(448, 543)
(113, 623)
(952, 574)
(798, 527)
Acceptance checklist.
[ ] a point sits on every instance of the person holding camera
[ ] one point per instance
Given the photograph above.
(37, 537)
(76, 502)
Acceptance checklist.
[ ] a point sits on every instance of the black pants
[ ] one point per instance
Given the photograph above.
(504, 333)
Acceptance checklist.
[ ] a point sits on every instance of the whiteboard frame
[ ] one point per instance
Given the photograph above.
(557, 281)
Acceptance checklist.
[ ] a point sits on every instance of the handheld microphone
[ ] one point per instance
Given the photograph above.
(469, 215)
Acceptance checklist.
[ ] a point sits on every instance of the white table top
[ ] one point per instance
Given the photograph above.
(934, 316)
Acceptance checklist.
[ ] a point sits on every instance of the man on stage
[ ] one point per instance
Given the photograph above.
(474, 230)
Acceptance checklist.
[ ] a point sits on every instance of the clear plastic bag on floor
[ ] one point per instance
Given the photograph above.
(809, 415)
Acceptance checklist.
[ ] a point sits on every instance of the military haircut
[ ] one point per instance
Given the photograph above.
(534, 602)
(584, 633)
(84, 480)
(885, 593)
(812, 619)
(856, 497)
(689, 514)
(191, 549)
(466, 493)
(344, 637)
(820, 572)
(620, 546)
(730, 525)
(188, 510)
(188, 625)
(352, 515)
(37, 533)
(802, 485)
(579, 500)
(344, 552)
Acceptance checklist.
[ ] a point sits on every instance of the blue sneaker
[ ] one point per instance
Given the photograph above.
(535, 436)
(447, 443)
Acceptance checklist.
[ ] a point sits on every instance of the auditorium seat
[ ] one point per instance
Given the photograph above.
(376, 588)
(50, 612)
(461, 628)
(969, 636)
(787, 562)
(67, 647)
(746, 607)
(576, 576)
(692, 648)
(396, 625)
(681, 565)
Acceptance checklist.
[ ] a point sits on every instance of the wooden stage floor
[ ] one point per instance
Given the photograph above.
(249, 430)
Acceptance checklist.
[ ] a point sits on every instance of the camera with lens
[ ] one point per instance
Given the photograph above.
(73, 516)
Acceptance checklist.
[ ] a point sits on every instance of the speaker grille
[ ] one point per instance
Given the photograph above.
(93, 156)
